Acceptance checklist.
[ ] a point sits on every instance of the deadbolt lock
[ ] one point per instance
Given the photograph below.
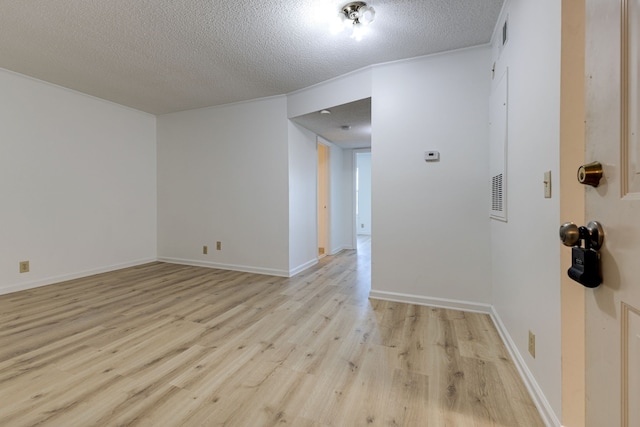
(590, 174)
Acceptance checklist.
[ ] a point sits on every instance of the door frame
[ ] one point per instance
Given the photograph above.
(572, 208)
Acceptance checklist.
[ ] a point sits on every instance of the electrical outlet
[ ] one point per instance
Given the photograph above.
(532, 344)
(205, 250)
(24, 266)
(218, 246)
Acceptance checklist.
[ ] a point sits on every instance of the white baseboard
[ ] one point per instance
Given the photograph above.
(105, 269)
(432, 302)
(233, 267)
(301, 268)
(546, 412)
(337, 250)
(72, 276)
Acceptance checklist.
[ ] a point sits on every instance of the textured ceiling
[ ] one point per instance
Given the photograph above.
(162, 56)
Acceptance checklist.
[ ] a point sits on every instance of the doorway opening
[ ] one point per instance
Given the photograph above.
(362, 200)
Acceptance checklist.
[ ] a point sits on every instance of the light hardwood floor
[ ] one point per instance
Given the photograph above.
(170, 345)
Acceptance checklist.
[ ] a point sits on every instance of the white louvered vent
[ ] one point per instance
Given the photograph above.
(496, 193)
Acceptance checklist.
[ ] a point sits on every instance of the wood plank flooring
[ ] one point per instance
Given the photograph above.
(170, 345)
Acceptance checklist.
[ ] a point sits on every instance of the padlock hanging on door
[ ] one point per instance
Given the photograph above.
(585, 261)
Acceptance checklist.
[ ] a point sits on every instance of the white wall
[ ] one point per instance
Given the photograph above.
(363, 222)
(303, 213)
(341, 182)
(431, 220)
(349, 197)
(525, 250)
(78, 181)
(223, 176)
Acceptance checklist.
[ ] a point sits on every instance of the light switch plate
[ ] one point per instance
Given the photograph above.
(547, 185)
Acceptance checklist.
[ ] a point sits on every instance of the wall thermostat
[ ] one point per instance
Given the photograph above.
(431, 156)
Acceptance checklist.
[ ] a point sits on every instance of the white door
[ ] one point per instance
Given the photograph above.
(613, 309)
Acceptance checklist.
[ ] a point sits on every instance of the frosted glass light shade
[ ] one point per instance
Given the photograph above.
(366, 15)
(340, 23)
(358, 31)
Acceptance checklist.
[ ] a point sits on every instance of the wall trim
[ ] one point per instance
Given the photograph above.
(233, 267)
(227, 105)
(336, 251)
(432, 301)
(302, 267)
(65, 277)
(546, 412)
(77, 92)
(541, 402)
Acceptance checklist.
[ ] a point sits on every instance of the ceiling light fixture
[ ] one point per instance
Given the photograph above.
(356, 15)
